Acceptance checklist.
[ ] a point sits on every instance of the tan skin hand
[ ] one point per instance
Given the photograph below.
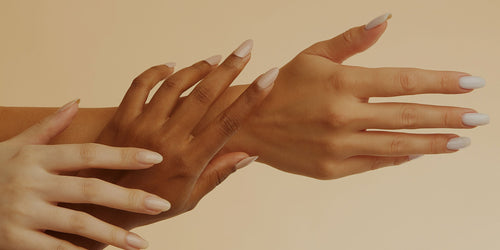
(189, 170)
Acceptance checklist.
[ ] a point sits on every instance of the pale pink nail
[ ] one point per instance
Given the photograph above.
(244, 49)
(245, 162)
(136, 241)
(68, 105)
(266, 79)
(214, 60)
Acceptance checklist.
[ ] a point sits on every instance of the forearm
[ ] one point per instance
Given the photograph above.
(86, 126)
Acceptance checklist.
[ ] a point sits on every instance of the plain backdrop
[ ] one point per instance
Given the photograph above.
(54, 51)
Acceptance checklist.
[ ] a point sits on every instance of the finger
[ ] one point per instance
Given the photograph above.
(39, 240)
(90, 155)
(79, 223)
(351, 42)
(136, 96)
(380, 143)
(363, 163)
(69, 189)
(217, 171)
(45, 130)
(384, 82)
(211, 140)
(168, 94)
(413, 116)
(208, 90)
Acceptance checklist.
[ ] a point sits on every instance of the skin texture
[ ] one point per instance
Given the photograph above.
(31, 187)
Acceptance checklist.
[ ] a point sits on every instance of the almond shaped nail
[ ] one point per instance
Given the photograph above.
(148, 157)
(136, 241)
(157, 204)
(475, 119)
(458, 143)
(245, 162)
(266, 79)
(68, 105)
(170, 64)
(244, 49)
(378, 21)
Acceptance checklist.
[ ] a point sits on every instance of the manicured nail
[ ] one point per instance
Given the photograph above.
(378, 21)
(475, 119)
(244, 49)
(149, 157)
(157, 204)
(214, 60)
(136, 242)
(245, 162)
(458, 143)
(472, 82)
(266, 79)
(413, 157)
(68, 105)
(170, 64)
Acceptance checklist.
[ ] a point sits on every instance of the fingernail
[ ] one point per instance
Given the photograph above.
(149, 157)
(266, 79)
(378, 21)
(68, 105)
(472, 82)
(413, 157)
(214, 60)
(245, 162)
(475, 119)
(135, 241)
(458, 143)
(244, 49)
(157, 204)
(170, 64)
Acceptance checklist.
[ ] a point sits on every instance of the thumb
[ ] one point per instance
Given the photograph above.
(217, 171)
(351, 42)
(52, 125)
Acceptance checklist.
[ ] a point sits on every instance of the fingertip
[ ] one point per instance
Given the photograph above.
(148, 158)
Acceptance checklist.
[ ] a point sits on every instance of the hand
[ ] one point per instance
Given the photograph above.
(189, 170)
(31, 186)
(318, 121)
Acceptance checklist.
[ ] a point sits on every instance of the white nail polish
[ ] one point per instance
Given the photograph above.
(67, 105)
(378, 21)
(135, 241)
(245, 162)
(214, 60)
(266, 79)
(475, 119)
(472, 82)
(458, 143)
(170, 64)
(244, 49)
(157, 204)
(413, 157)
(148, 157)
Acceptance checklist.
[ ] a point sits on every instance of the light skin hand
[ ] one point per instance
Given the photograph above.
(189, 170)
(32, 185)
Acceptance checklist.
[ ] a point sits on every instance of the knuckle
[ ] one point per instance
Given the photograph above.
(135, 198)
(397, 144)
(437, 144)
(324, 171)
(227, 124)
(88, 153)
(231, 66)
(409, 117)
(336, 119)
(444, 80)
(171, 84)
(338, 80)
(78, 222)
(407, 81)
(139, 82)
(348, 37)
(89, 189)
(376, 164)
(203, 94)
(127, 155)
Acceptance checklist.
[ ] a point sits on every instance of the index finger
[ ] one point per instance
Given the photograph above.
(386, 82)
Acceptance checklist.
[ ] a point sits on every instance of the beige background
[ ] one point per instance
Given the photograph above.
(54, 51)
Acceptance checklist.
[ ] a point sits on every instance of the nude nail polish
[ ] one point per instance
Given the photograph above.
(245, 162)
(244, 49)
(458, 143)
(148, 157)
(378, 21)
(135, 241)
(170, 64)
(475, 119)
(214, 60)
(472, 82)
(68, 105)
(157, 204)
(268, 78)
